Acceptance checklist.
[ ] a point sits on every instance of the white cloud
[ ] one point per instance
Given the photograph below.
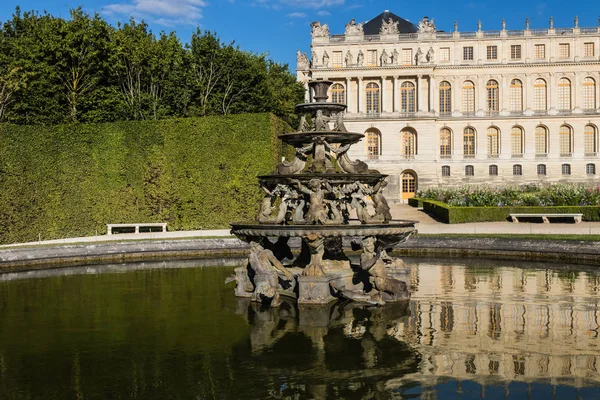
(323, 13)
(312, 4)
(164, 12)
(297, 15)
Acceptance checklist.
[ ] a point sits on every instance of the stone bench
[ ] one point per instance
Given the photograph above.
(162, 225)
(544, 217)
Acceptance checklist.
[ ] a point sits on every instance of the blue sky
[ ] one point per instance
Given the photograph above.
(280, 27)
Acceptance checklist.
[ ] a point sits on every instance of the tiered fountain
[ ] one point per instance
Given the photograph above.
(314, 197)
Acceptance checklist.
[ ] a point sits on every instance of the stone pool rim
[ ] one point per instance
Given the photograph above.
(52, 256)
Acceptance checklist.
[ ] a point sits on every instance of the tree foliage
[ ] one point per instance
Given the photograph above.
(81, 69)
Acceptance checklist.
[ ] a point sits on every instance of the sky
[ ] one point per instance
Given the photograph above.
(280, 27)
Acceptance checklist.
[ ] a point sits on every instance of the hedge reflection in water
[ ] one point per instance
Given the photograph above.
(167, 331)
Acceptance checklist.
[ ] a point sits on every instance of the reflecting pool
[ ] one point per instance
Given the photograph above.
(473, 329)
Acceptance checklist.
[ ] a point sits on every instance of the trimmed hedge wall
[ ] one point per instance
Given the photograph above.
(457, 215)
(71, 180)
(415, 202)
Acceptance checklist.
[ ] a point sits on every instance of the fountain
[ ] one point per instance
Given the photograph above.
(315, 197)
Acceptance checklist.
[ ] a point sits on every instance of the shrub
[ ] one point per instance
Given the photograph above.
(71, 180)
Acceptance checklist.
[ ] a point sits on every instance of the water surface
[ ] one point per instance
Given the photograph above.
(473, 329)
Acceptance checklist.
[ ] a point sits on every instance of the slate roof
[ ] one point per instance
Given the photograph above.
(373, 27)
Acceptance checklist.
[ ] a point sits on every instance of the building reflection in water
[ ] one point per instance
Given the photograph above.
(502, 326)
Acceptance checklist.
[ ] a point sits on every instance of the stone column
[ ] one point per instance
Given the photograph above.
(504, 94)
(456, 95)
(383, 95)
(396, 95)
(419, 93)
(360, 105)
(431, 94)
(528, 92)
(551, 101)
(480, 96)
(348, 96)
(576, 92)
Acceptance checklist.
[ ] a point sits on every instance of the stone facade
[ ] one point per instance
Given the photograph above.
(518, 106)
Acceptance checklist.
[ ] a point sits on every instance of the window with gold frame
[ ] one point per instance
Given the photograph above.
(565, 138)
(493, 142)
(371, 58)
(564, 50)
(539, 95)
(516, 95)
(589, 139)
(373, 144)
(469, 142)
(540, 51)
(493, 96)
(338, 93)
(445, 97)
(589, 94)
(445, 143)
(372, 94)
(564, 94)
(541, 140)
(588, 49)
(468, 97)
(337, 59)
(516, 141)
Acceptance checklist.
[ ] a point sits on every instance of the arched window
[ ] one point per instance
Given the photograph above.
(517, 169)
(409, 143)
(445, 97)
(589, 94)
(590, 169)
(516, 141)
(338, 94)
(589, 139)
(541, 169)
(539, 95)
(373, 144)
(445, 170)
(445, 143)
(468, 97)
(469, 142)
(372, 94)
(493, 170)
(407, 97)
(541, 141)
(566, 169)
(516, 96)
(564, 94)
(565, 139)
(469, 170)
(493, 96)
(493, 142)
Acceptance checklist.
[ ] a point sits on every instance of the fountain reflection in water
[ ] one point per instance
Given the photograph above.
(476, 330)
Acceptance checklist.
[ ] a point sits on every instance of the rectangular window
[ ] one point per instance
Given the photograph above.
(564, 50)
(371, 58)
(515, 52)
(468, 53)
(588, 49)
(337, 59)
(492, 52)
(540, 51)
(407, 57)
(445, 53)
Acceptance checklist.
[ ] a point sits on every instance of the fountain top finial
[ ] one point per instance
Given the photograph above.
(320, 89)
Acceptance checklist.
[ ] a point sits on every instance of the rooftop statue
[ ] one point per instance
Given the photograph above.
(426, 25)
(389, 28)
(319, 30)
(302, 61)
(354, 29)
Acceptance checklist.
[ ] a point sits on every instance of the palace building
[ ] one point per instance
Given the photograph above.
(499, 107)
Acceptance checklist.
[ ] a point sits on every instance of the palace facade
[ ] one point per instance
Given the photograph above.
(500, 107)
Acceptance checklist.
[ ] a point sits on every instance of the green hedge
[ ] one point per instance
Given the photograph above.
(415, 202)
(457, 215)
(71, 180)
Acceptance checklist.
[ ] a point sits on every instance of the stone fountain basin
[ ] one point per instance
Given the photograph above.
(326, 107)
(299, 139)
(395, 230)
(333, 179)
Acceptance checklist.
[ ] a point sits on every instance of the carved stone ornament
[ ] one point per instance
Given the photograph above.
(319, 30)
(430, 55)
(389, 28)
(325, 59)
(426, 25)
(354, 29)
(302, 61)
(348, 59)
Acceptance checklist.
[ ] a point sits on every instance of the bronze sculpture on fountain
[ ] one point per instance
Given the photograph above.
(312, 198)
